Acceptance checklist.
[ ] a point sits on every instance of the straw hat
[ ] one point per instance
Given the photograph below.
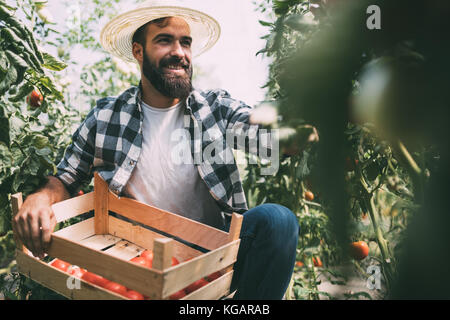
(116, 36)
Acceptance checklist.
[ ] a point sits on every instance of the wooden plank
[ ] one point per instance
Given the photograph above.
(57, 280)
(16, 203)
(235, 227)
(124, 250)
(162, 253)
(182, 275)
(77, 231)
(214, 290)
(99, 241)
(100, 205)
(176, 225)
(73, 207)
(133, 276)
(144, 238)
(235, 231)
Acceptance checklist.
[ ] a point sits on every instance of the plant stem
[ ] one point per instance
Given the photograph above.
(413, 169)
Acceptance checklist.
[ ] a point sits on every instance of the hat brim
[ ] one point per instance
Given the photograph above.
(116, 36)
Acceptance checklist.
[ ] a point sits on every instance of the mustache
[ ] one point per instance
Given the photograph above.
(174, 61)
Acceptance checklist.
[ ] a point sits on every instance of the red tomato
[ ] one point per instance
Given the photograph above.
(60, 264)
(309, 196)
(178, 295)
(76, 271)
(142, 261)
(317, 262)
(359, 250)
(133, 295)
(299, 264)
(175, 261)
(115, 287)
(35, 99)
(214, 276)
(195, 285)
(95, 279)
(80, 193)
(147, 254)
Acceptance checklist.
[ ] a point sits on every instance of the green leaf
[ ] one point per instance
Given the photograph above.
(302, 169)
(9, 79)
(44, 151)
(52, 63)
(16, 60)
(48, 84)
(40, 141)
(4, 126)
(4, 63)
(265, 23)
(23, 91)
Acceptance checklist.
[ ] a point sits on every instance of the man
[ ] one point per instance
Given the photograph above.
(129, 141)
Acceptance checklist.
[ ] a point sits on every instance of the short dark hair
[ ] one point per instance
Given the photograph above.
(139, 35)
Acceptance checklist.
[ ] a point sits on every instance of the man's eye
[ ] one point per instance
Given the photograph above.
(164, 40)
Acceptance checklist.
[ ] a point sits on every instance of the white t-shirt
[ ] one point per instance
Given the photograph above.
(162, 179)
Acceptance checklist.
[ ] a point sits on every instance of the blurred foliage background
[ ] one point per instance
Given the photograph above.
(378, 100)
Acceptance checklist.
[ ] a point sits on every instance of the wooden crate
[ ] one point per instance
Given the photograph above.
(104, 244)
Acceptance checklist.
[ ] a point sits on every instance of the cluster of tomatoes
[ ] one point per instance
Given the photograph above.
(358, 250)
(145, 259)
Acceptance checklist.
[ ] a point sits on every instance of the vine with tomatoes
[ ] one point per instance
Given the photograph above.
(36, 125)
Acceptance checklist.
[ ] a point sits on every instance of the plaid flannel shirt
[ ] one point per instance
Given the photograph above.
(110, 138)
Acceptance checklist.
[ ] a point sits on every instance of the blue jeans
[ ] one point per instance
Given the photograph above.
(267, 253)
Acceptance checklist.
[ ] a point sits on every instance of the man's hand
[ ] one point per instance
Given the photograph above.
(34, 223)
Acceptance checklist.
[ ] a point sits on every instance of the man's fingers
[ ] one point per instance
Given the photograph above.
(23, 229)
(35, 233)
(47, 225)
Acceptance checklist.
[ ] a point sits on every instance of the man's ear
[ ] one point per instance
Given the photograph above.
(138, 52)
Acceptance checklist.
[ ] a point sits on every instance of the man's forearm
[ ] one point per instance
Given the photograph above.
(54, 190)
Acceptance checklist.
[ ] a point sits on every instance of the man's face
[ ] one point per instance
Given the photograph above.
(167, 58)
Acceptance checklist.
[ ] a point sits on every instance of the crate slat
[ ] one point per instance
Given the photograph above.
(73, 207)
(214, 290)
(101, 205)
(77, 231)
(192, 231)
(56, 280)
(100, 241)
(124, 250)
(144, 280)
(182, 275)
(143, 237)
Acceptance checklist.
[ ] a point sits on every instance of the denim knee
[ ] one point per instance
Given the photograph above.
(270, 218)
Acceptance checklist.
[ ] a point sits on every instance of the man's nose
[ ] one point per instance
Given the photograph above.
(177, 50)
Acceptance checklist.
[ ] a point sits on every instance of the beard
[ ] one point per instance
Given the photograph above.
(169, 85)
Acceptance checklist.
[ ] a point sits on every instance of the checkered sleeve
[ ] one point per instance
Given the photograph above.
(75, 168)
(242, 135)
